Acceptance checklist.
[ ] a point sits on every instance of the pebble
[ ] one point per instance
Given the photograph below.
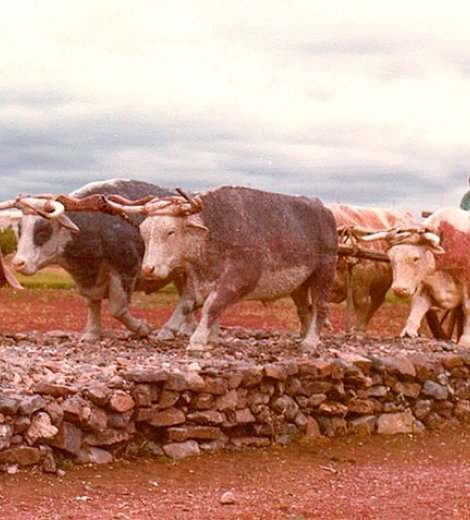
(228, 498)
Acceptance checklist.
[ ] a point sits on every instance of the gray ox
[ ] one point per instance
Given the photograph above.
(244, 243)
(103, 254)
(430, 264)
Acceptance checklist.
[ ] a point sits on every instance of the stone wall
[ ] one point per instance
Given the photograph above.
(176, 412)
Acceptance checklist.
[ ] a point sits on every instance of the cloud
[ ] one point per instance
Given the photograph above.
(362, 102)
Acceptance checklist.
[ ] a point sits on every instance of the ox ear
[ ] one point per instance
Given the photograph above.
(195, 222)
(68, 224)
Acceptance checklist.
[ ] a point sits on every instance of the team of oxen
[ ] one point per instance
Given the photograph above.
(232, 243)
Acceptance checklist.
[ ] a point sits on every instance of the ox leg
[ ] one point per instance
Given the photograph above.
(366, 303)
(464, 340)
(182, 322)
(93, 322)
(420, 304)
(118, 306)
(217, 301)
(303, 306)
(320, 284)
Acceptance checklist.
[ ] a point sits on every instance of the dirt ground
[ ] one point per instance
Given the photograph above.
(399, 477)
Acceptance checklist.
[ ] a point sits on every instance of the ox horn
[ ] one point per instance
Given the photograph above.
(8, 204)
(379, 235)
(46, 207)
(432, 237)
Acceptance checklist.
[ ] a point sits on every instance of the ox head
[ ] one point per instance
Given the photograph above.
(171, 232)
(412, 256)
(43, 231)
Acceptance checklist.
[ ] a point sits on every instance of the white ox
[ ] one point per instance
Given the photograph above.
(431, 265)
(370, 279)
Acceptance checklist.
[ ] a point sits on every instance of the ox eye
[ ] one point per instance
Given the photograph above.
(171, 233)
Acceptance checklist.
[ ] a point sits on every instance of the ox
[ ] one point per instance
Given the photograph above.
(102, 252)
(239, 243)
(370, 280)
(430, 265)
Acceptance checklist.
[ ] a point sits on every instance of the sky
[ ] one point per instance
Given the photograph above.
(364, 102)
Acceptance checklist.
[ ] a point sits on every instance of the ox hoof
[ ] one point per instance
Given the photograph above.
(165, 334)
(89, 337)
(143, 331)
(409, 334)
(464, 343)
(186, 330)
(197, 349)
(307, 347)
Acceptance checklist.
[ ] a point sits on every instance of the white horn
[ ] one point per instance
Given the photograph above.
(7, 204)
(380, 235)
(52, 208)
(432, 237)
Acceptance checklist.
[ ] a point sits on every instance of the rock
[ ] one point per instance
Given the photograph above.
(21, 455)
(333, 426)
(313, 430)
(94, 455)
(286, 406)
(21, 424)
(333, 408)
(399, 365)
(435, 390)
(119, 421)
(207, 417)
(363, 426)
(97, 420)
(142, 394)
(53, 389)
(422, 408)
(30, 404)
(183, 433)
(55, 412)
(121, 401)
(6, 433)
(181, 450)
(276, 371)
(97, 394)
(68, 438)
(168, 398)
(176, 382)
(41, 427)
(228, 401)
(250, 442)
(216, 386)
(194, 381)
(244, 416)
(108, 437)
(168, 417)
(9, 405)
(392, 423)
(147, 376)
(228, 498)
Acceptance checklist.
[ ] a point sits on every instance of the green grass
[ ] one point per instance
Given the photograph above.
(47, 280)
(56, 279)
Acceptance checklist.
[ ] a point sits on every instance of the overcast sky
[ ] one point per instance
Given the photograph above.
(358, 101)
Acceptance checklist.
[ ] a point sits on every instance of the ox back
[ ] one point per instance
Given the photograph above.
(266, 231)
(109, 239)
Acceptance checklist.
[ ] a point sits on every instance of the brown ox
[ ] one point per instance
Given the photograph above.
(370, 279)
(431, 265)
(244, 243)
